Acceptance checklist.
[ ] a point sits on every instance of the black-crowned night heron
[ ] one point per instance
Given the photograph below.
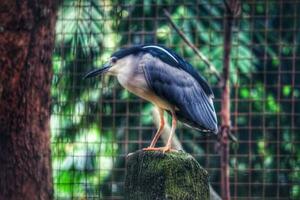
(157, 74)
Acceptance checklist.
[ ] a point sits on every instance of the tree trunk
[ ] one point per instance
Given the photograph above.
(26, 44)
(155, 175)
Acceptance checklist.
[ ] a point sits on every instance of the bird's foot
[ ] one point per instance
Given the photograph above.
(167, 149)
(153, 149)
(163, 149)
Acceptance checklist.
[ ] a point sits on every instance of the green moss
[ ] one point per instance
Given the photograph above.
(155, 175)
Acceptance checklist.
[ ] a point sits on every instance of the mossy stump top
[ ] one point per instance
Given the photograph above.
(153, 175)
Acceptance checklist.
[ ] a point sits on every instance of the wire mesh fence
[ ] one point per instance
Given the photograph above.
(95, 123)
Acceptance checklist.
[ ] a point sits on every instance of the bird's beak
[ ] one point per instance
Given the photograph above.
(97, 72)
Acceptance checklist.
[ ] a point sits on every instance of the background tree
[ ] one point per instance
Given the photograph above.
(26, 44)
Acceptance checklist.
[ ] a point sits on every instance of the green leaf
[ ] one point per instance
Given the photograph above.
(286, 90)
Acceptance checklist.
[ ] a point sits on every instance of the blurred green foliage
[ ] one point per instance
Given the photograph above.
(87, 133)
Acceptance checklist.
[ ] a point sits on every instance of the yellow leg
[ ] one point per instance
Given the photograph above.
(161, 127)
(168, 145)
(158, 132)
(166, 148)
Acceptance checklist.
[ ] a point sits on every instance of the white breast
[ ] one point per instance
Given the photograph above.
(130, 74)
(133, 79)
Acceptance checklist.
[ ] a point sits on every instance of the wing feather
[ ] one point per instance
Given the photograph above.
(180, 89)
(170, 57)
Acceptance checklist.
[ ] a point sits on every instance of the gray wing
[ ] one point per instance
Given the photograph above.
(180, 89)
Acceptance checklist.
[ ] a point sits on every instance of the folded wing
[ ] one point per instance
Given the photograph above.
(193, 106)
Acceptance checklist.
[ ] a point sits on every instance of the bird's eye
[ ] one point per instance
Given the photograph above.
(113, 59)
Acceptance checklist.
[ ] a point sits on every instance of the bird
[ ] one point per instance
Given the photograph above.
(159, 75)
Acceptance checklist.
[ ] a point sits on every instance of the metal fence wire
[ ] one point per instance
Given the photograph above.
(95, 123)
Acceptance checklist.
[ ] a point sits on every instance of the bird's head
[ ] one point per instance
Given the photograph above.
(112, 62)
(118, 60)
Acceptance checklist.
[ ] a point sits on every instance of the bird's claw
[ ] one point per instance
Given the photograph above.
(163, 149)
(152, 149)
(166, 149)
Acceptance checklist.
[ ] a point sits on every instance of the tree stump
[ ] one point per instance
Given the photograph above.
(155, 175)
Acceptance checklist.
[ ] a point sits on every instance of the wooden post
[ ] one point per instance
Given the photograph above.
(157, 175)
(233, 9)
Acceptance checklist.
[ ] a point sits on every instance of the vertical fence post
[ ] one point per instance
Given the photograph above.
(232, 9)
